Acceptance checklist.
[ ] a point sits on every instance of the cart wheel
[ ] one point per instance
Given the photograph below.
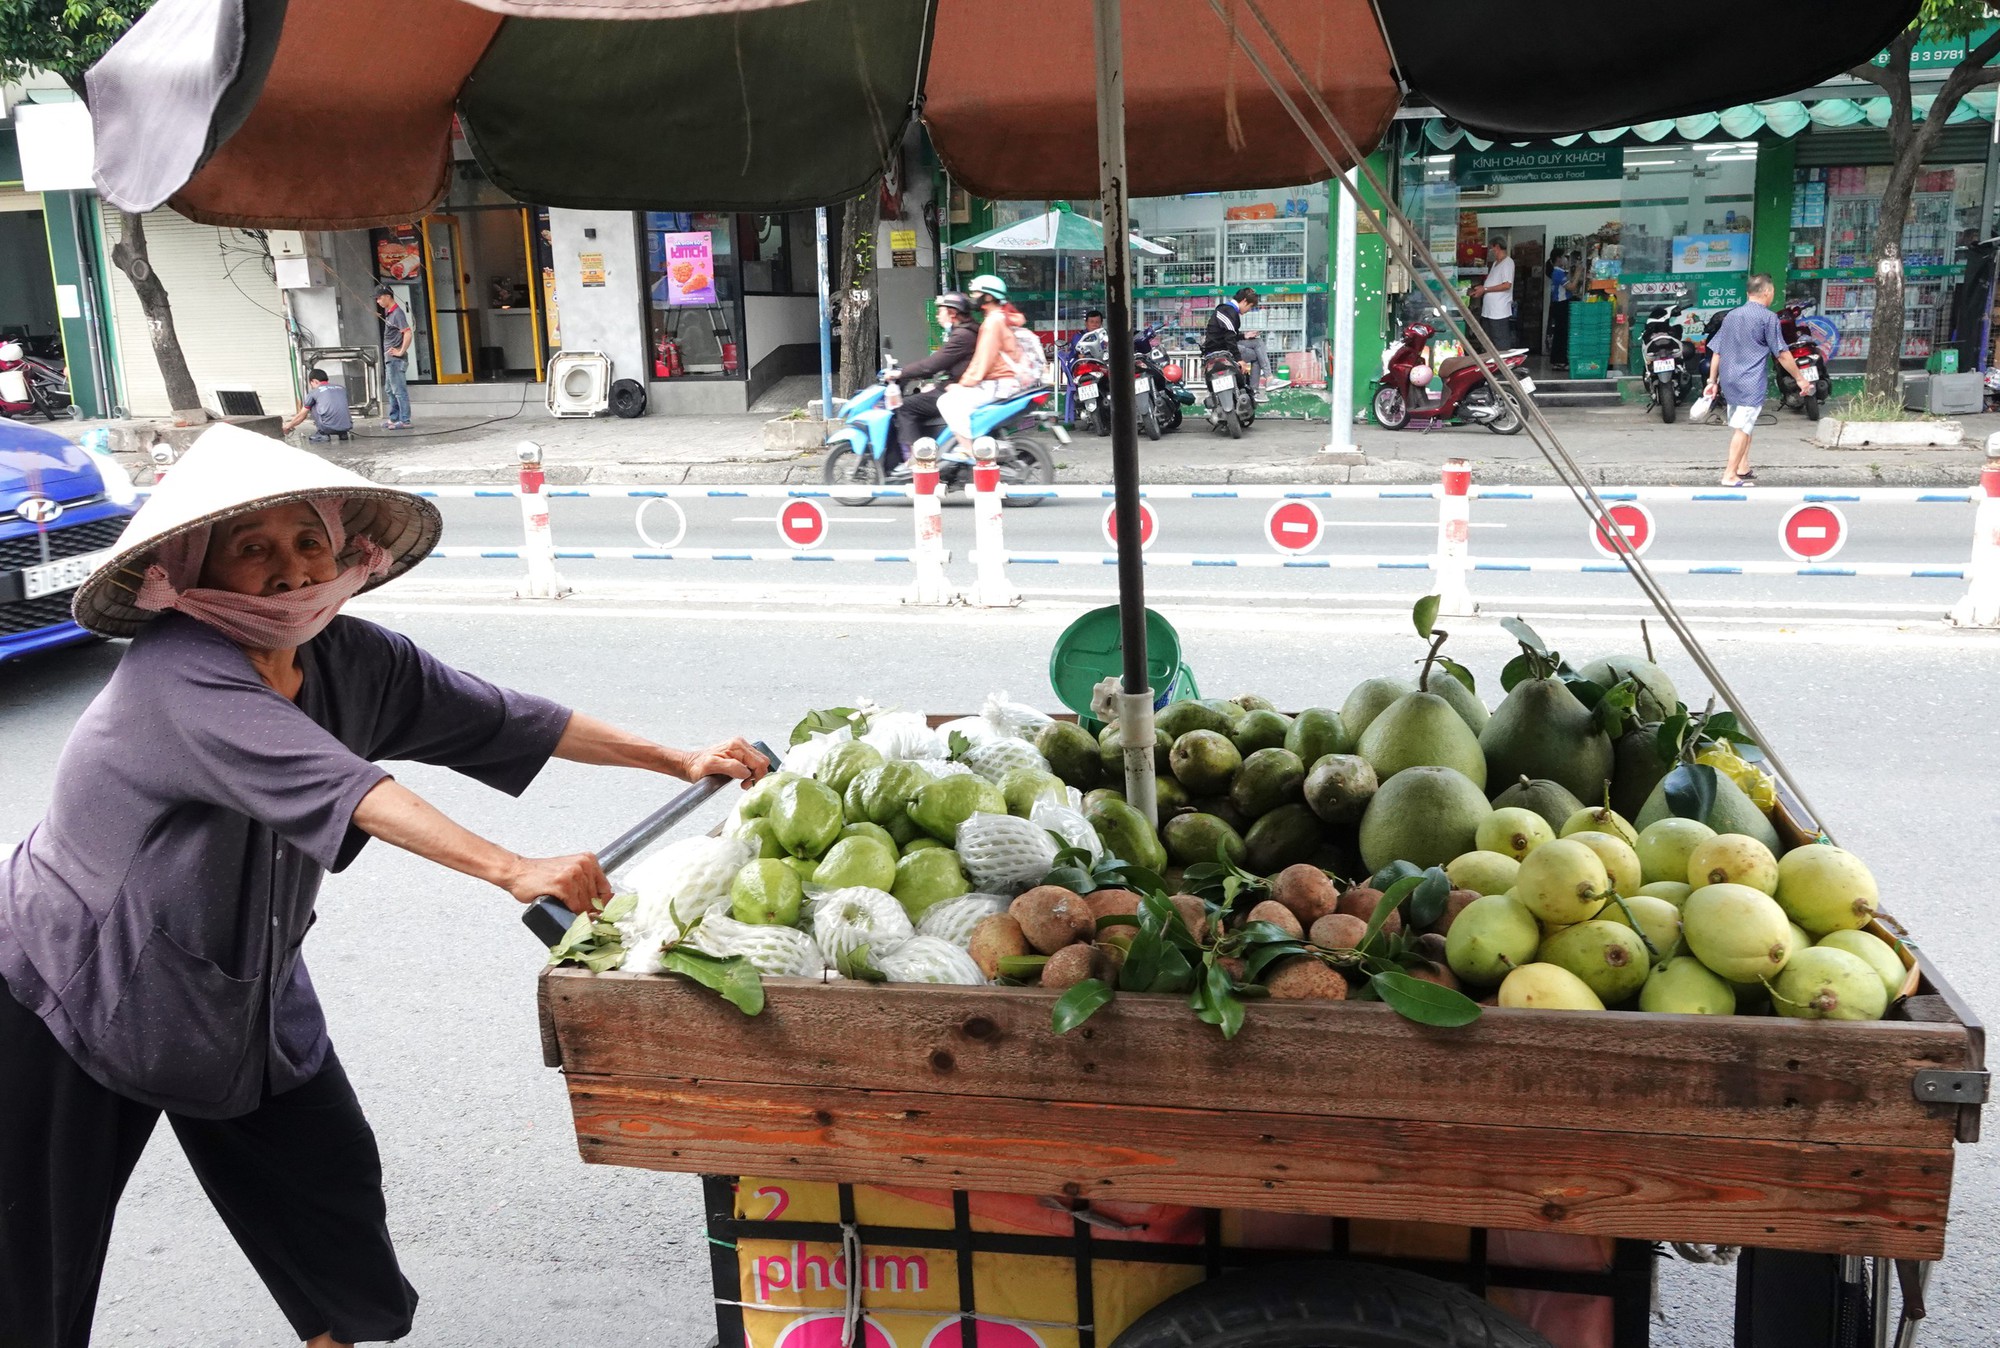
(1314, 1305)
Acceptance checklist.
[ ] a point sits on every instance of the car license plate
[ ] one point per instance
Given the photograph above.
(1663, 367)
(1222, 381)
(1812, 375)
(67, 574)
(1142, 386)
(1088, 393)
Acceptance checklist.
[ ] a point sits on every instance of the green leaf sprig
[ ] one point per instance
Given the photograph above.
(593, 940)
(828, 720)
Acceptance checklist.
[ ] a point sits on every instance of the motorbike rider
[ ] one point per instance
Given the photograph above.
(918, 416)
(1225, 326)
(991, 374)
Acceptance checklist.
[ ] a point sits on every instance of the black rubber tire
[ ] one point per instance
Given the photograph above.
(1171, 422)
(1390, 409)
(1149, 422)
(1812, 408)
(1667, 403)
(1510, 420)
(843, 467)
(1233, 424)
(1100, 419)
(628, 398)
(1327, 1304)
(1025, 461)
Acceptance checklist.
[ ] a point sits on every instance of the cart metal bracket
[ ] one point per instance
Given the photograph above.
(1940, 1086)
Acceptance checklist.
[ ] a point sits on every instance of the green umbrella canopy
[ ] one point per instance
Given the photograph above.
(1056, 231)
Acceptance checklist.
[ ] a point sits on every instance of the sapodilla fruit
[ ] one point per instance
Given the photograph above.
(1684, 986)
(1491, 938)
(1562, 882)
(1513, 831)
(1279, 916)
(1665, 845)
(1621, 863)
(1822, 983)
(1733, 859)
(1825, 888)
(1875, 952)
(1547, 987)
(1609, 958)
(1739, 932)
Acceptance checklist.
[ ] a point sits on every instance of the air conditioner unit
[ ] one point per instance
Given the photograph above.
(237, 400)
(579, 384)
(1482, 190)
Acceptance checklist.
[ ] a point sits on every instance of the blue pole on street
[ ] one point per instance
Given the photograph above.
(825, 322)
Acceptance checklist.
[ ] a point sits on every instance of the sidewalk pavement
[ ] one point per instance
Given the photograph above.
(1616, 446)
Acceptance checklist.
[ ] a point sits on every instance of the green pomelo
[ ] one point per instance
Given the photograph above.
(1491, 937)
(1621, 863)
(1111, 752)
(1128, 835)
(1684, 986)
(1825, 888)
(1205, 762)
(1610, 958)
(1562, 882)
(1655, 919)
(1370, 698)
(1317, 732)
(1260, 729)
(1673, 891)
(862, 862)
(1665, 845)
(1284, 837)
(758, 799)
(1547, 987)
(1192, 839)
(1339, 787)
(1268, 778)
(1178, 718)
(1827, 983)
(1023, 786)
(807, 817)
(1483, 872)
(882, 795)
(1876, 953)
(1420, 730)
(1551, 800)
(1462, 699)
(1514, 831)
(1598, 819)
(930, 875)
(767, 893)
(875, 831)
(845, 762)
(1635, 768)
(941, 806)
(1071, 752)
(1541, 730)
(1655, 693)
(762, 834)
(1739, 932)
(1425, 816)
(1733, 859)
(1733, 812)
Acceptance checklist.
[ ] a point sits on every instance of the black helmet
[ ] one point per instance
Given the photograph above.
(955, 299)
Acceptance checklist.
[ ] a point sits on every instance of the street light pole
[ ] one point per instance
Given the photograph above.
(1340, 381)
(825, 322)
(1135, 701)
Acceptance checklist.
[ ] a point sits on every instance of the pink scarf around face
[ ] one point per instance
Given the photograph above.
(270, 622)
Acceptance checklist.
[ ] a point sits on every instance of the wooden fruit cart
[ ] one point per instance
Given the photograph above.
(1764, 1133)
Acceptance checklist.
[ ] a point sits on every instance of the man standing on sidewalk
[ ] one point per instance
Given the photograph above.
(1496, 296)
(395, 358)
(1749, 334)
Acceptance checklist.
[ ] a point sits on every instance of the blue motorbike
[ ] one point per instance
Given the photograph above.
(1023, 429)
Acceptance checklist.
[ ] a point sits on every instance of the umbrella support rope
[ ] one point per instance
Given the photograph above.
(1413, 252)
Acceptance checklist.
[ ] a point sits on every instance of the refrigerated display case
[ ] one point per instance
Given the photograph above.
(1852, 209)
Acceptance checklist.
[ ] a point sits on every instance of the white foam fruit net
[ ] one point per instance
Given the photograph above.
(1067, 822)
(775, 952)
(904, 734)
(680, 882)
(857, 919)
(928, 959)
(954, 919)
(1004, 854)
(1013, 718)
(997, 757)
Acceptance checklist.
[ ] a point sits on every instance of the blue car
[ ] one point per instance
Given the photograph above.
(62, 506)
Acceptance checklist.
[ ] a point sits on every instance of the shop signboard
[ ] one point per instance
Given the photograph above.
(690, 267)
(1710, 253)
(1940, 53)
(1537, 164)
(399, 255)
(903, 247)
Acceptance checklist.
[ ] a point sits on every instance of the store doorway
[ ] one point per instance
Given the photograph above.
(1531, 286)
(451, 329)
(28, 312)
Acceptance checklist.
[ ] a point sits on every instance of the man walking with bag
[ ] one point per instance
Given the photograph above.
(1750, 333)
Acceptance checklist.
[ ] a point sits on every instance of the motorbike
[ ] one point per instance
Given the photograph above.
(1670, 368)
(1404, 393)
(1811, 362)
(1088, 372)
(1159, 385)
(858, 453)
(31, 383)
(1231, 404)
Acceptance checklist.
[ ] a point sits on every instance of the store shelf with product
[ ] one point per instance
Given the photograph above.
(1196, 259)
(1852, 212)
(1266, 252)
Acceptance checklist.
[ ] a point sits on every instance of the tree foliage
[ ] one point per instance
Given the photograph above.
(63, 37)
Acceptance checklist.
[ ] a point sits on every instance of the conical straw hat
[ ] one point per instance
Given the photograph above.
(230, 471)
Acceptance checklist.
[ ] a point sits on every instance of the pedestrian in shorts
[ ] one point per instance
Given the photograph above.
(1748, 338)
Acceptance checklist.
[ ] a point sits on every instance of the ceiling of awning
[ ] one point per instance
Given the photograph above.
(1745, 121)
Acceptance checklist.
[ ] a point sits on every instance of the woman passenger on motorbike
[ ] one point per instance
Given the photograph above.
(990, 375)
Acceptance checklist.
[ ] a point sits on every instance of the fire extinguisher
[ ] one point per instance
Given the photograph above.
(674, 358)
(728, 351)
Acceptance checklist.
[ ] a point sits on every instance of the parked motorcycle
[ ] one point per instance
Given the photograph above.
(1669, 369)
(1811, 361)
(30, 383)
(858, 453)
(1231, 404)
(1090, 369)
(1166, 380)
(1405, 391)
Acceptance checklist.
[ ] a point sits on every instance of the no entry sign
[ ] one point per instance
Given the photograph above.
(802, 524)
(1293, 526)
(1812, 532)
(1633, 520)
(1149, 526)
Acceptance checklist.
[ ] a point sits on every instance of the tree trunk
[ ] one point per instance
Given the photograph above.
(130, 257)
(1885, 335)
(855, 307)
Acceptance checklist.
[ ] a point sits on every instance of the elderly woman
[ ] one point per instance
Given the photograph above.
(151, 924)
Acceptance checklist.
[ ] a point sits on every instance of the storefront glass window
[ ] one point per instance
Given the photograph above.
(778, 255)
(693, 295)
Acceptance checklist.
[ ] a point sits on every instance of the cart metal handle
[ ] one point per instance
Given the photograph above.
(548, 919)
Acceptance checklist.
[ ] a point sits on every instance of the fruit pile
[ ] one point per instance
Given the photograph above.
(1588, 843)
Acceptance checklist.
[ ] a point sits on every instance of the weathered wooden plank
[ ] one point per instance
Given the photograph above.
(1838, 1199)
(1616, 1072)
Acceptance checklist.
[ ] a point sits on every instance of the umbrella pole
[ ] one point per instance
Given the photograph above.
(825, 322)
(1135, 701)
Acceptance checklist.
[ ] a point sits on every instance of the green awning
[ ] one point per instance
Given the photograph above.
(1746, 121)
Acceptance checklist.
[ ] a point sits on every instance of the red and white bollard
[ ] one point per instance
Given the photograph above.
(539, 547)
(1981, 605)
(1454, 543)
(933, 587)
(989, 549)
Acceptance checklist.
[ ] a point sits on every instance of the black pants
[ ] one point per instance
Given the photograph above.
(297, 1181)
(1559, 333)
(915, 419)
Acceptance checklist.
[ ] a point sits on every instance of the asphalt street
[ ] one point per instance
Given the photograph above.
(428, 977)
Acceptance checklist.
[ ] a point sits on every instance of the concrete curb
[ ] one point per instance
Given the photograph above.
(1833, 433)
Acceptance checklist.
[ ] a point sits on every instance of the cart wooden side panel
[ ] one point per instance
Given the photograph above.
(1733, 1130)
